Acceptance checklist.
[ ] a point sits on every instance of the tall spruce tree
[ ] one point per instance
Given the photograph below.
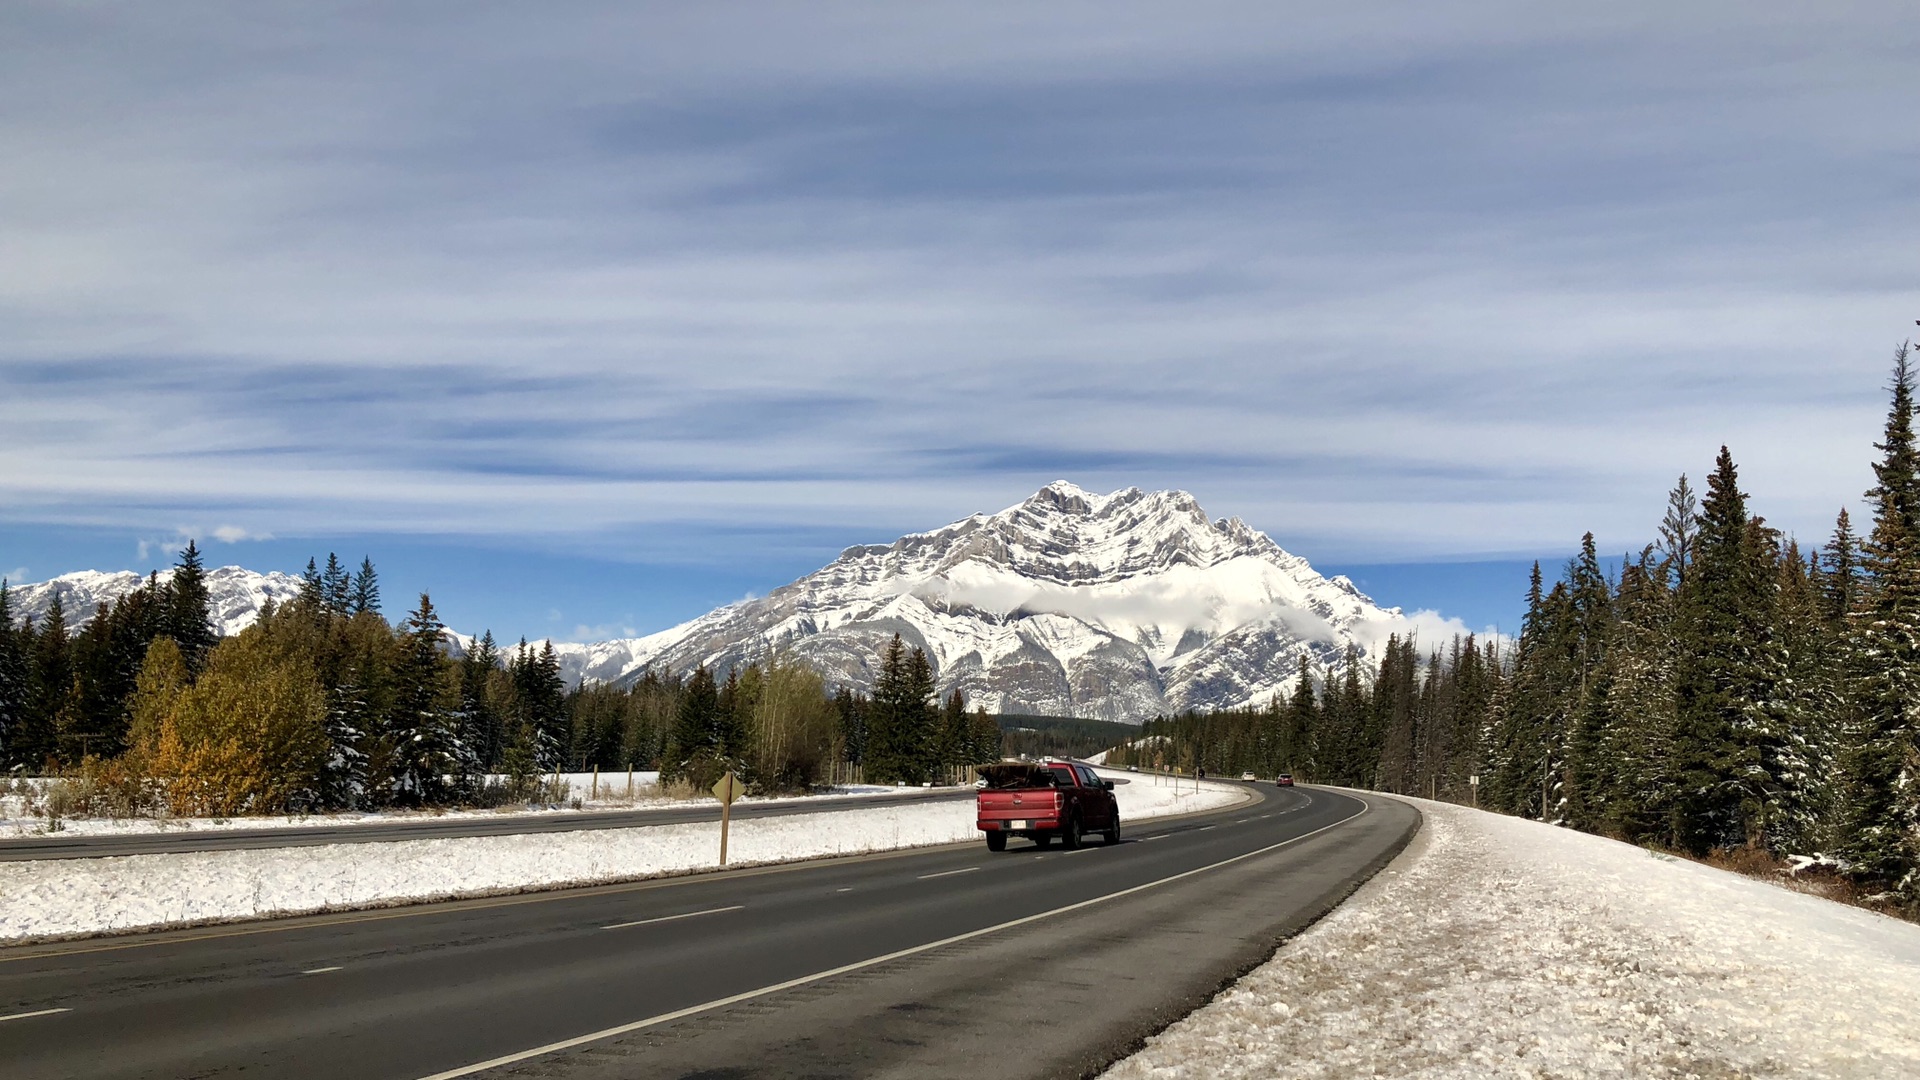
(1726, 675)
(13, 677)
(1679, 528)
(364, 592)
(901, 718)
(428, 760)
(693, 750)
(336, 586)
(1878, 813)
(189, 616)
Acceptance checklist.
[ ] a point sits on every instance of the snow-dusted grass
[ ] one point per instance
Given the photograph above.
(1501, 947)
(60, 898)
(611, 791)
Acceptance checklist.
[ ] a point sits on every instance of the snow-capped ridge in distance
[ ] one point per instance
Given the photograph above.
(235, 594)
(1121, 606)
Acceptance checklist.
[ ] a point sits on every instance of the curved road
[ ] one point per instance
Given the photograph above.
(947, 961)
(59, 846)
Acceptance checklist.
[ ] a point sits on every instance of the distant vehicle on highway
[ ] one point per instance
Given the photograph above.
(1284, 779)
(1042, 800)
(1248, 776)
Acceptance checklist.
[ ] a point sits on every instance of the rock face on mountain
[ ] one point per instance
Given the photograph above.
(235, 594)
(1119, 607)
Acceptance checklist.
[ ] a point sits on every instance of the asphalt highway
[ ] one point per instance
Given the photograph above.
(945, 962)
(65, 846)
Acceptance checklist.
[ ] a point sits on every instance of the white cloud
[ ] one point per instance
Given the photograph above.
(233, 534)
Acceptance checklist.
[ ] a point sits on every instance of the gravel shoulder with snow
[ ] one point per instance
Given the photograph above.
(1500, 947)
(77, 897)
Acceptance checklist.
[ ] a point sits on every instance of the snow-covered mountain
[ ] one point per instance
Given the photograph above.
(236, 594)
(1118, 606)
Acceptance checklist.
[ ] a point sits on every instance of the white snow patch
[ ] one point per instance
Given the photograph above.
(1501, 947)
(73, 897)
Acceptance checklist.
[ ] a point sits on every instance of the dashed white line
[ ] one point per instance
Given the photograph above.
(671, 918)
(1206, 828)
(320, 971)
(31, 1015)
(847, 889)
(949, 873)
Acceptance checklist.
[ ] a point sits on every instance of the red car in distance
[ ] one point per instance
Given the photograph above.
(1284, 779)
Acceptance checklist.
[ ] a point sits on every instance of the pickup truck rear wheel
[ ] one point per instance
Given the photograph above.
(996, 841)
(1112, 835)
(1070, 833)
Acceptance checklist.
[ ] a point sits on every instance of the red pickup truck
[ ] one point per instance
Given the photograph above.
(1043, 800)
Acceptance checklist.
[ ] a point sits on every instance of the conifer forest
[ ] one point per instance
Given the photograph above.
(1725, 688)
(322, 704)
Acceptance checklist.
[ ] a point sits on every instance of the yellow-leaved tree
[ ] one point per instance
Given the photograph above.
(248, 736)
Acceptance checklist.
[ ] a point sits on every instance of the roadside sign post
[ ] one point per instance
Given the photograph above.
(1473, 787)
(728, 789)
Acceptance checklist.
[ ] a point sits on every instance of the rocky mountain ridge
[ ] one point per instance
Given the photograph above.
(1120, 606)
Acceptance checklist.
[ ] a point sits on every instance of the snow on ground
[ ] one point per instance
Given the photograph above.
(72, 897)
(610, 791)
(1501, 947)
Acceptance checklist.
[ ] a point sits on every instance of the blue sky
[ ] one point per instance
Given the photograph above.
(588, 317)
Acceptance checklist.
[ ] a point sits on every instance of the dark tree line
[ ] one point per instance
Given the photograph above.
(322, 704)
(1723, 689)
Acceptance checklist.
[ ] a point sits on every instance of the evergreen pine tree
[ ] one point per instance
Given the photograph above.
(1639, 672)
(852, 712)
(480, 727)
(364, 593)
(1679, 528)
(1840, 572)
(1878, 813)
(693, 750)
(49, 685)
(336, 588)
(900, 722)
(189, 618)
(13, 678)
(1298, 722)
(313, 591)
(428, 760)
(1726, 676)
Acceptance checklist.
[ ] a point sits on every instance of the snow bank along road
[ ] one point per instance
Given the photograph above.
(52, 898)
(314, 832)
(1045, 962)
(1496, 947)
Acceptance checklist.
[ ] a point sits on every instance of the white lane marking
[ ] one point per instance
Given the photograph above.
(1144, 839)
(1243, 821)
(672, 918)
(31, 1015)
(320, 971)
(749, 995)
(1206, 828)
(949, 873)
(847, 889)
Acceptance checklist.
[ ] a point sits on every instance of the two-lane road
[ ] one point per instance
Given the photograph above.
(917, 963)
